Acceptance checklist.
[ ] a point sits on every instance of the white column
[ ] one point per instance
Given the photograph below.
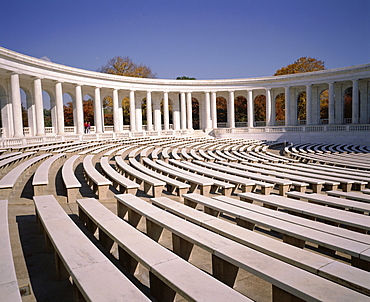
(268, 107)
(309, 104)
(189, 110)
(207, 110)
(40, 125)
(166, 118)
(355, 102)
(183, 110)
(79, 111)
(59, 108)
(16, 104)
(174, 97)
(149, 113)
(116, 121)
(157, 113)
(138, 114)
(214, 110)
(132, 111)
(287, 106)
(120, 112)
(97, 111)
(331, 103)
(231, 110)
(250, 110)
(273, 109)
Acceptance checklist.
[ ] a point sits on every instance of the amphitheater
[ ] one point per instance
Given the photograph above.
(158, 210)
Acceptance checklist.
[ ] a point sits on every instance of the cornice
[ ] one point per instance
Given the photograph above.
(27, 65)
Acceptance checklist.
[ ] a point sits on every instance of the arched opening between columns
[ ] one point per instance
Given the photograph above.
(88, 112)
(28, 114)
(301, 108)
(68, 109)
(195, 113)
(47, 100)
(260, 110)
(241, 114)
(107, 108)
(221, 108)
(348, 106)
(280, 109)
(324, 107)
(126, 113)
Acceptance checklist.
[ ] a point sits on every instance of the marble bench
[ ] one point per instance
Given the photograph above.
(95, 180)
(125, 185)
(350, 195)
(162, 167)
(225, 187)
(289, 283)
(15, 159)
(171, 184)
(149, 183)
(8, 280)
(246, 185)
(263, 181)
(168, 273)
(332, 201)
(41, 176)
(315, 183)
(95, 278)
(321, 265)
(283, 183)
(70, 180)
(13, 177)
(354, 221)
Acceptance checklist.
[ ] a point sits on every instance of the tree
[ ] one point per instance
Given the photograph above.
(185, 78)
(304, 64)
(124, 66)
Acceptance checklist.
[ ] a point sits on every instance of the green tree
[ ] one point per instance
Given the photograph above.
(304, 64)
(47, 118)
(185, 78)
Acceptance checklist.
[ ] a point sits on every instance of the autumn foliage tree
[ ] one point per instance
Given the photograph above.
(123, 66)
(304, 64)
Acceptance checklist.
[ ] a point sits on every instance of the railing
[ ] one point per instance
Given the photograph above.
(306, 128)
(241, 124)
(108, 128)
(222, 125)
(260, 123)
(49, 130)
(69, 129)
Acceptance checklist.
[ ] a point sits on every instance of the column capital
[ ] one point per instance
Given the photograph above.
(37, 78)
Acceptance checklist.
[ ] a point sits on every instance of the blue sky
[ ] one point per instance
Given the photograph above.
(197, 38)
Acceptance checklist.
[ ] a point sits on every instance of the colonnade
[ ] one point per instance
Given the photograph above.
(36, 76)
